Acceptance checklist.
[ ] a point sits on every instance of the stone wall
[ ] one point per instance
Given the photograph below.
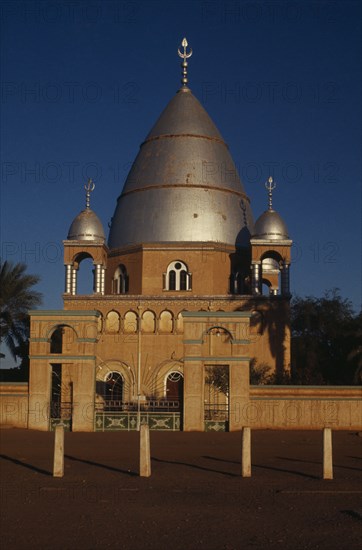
(302, 408)
(14, 404)
(267, 407)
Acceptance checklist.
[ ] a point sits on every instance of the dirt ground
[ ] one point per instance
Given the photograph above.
(194, 499)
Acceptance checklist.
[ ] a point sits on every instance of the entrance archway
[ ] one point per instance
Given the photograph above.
(175, 387)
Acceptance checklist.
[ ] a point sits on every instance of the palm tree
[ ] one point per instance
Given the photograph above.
(16, 298)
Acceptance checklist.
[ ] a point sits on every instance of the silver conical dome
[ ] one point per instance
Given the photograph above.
(183, 185)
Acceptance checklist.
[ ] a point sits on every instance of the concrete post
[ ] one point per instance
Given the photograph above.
(58, 464)
(145, 451)
(327, 454)
(246, 453)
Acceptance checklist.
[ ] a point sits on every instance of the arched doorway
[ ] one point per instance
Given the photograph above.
(111, 391)
(175, 389)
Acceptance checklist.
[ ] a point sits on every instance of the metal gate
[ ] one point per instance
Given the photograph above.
(216, 407)
(160, 415)
(61, 413)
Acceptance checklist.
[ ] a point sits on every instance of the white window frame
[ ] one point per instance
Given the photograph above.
(172, 267)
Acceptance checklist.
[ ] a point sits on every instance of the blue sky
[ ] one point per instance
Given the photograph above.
(83, 83)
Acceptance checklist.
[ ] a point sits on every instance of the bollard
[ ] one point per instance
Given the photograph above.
(246, 453)
(145, 451)
(327, 454)
(58, 463)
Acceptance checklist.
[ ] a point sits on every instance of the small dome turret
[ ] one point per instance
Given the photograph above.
(270, 225)
(87, 226)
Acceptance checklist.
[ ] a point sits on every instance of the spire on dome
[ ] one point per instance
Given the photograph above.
(184, 56)
(270, 225)
(89, 187)
(183, 186)
(270, 185)
(87, 226)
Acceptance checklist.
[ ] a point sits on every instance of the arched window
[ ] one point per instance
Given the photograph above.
(183, 280)
(148, 322)
(120, 280)
(114, 383)
(62, 339)
(177, 277)
(110, 391)
(180, 323)
(166, 322)
(270, 276)
(85, 274)
(172, 280)
(130, 324)
(112, 322)
(56, 341)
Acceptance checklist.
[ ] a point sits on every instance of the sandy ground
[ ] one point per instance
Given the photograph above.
(195, 498)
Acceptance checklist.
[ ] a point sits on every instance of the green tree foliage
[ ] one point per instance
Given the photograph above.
(218, 376)
(259, 374)
(326, 337)
(262, 374)
(16, 298)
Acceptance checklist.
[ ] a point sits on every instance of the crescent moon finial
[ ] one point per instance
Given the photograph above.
(89, 187)
(184, 55)
(270, 185)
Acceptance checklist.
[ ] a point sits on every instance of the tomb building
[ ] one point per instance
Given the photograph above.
(188, 292)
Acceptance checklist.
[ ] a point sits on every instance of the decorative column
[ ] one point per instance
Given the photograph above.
(256, 278)
(74, 281)
(99, 279)
(97, 282)
(68, 279)
(103, 278)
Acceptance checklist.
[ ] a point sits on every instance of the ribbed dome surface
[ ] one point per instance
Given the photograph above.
(86, 227)
(183, 185)
(270, 226)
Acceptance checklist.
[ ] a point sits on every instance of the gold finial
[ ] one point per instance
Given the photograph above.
(184, 63)
(270, 185)
(89, 187)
